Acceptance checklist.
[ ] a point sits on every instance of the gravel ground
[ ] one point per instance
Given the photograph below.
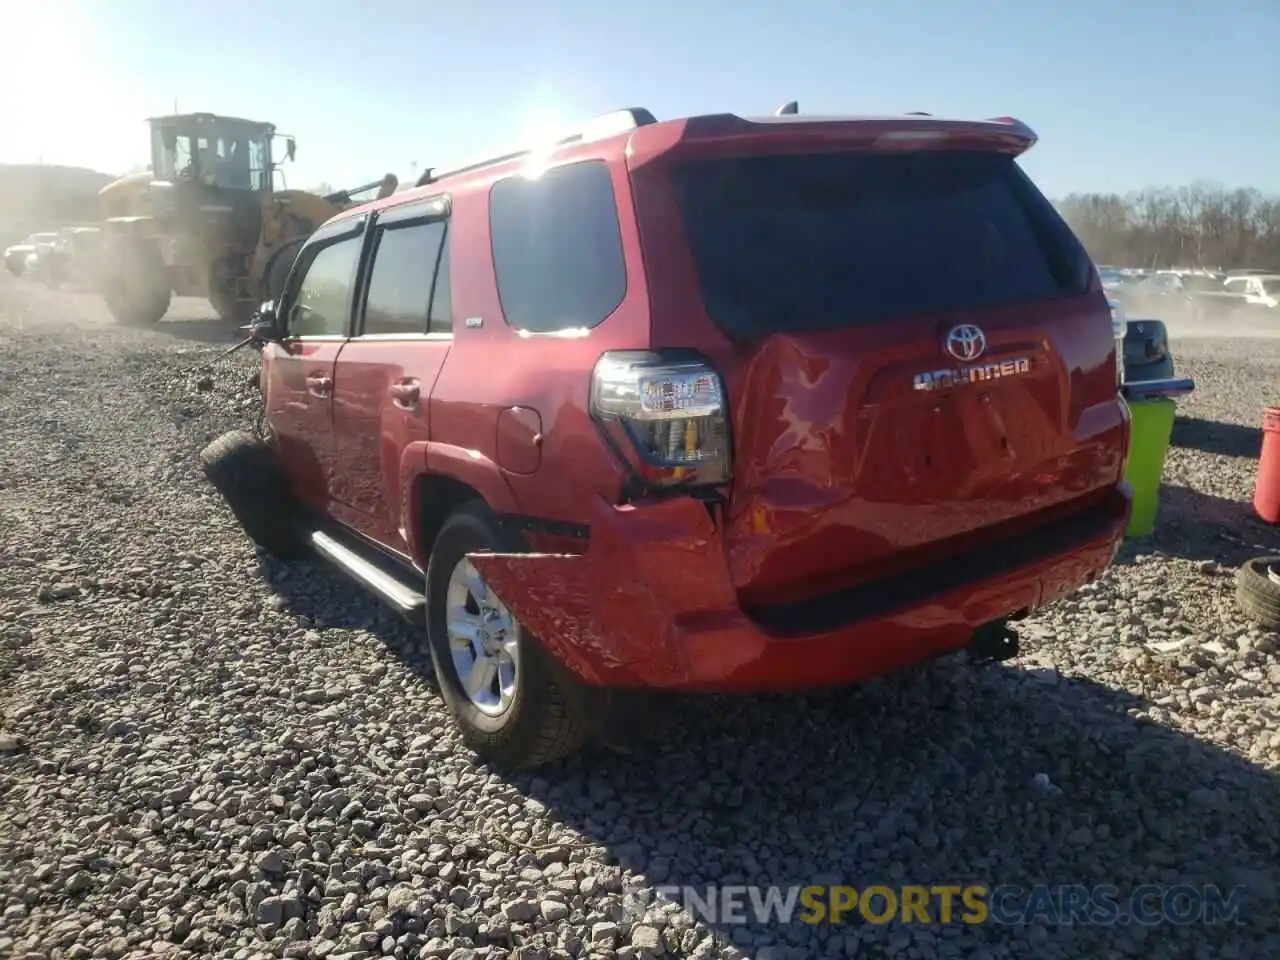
(202, 753)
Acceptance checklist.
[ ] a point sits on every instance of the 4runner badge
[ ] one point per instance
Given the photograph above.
(967, 343)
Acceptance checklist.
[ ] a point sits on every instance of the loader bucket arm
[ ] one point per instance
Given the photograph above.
(385, 187)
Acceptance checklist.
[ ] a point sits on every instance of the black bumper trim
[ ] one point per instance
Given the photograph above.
(885, 596)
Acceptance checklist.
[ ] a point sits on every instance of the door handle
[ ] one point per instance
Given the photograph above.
(406, 393)
(320, 384)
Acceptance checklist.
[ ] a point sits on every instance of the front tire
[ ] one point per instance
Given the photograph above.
(135, 283)
(513, 704)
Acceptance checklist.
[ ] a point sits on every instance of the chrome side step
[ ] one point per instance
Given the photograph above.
(405, 598)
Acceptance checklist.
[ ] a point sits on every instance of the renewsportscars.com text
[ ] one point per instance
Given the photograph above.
(1102, 905)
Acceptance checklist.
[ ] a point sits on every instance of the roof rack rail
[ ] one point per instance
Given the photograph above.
(598, 127)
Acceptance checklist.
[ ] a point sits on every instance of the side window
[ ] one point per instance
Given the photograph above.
(557, 248)
(322, 304)
(399, 300)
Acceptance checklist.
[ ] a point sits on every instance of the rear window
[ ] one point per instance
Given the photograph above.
(819, 240)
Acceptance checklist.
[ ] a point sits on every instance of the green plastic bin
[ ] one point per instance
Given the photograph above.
(1152, 408)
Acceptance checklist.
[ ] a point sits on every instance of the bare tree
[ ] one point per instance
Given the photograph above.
(1201, 225)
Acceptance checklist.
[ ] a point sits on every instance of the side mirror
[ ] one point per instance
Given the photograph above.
(291, 148)
(265, 325)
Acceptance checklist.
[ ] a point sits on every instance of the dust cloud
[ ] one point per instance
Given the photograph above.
(1198, 320)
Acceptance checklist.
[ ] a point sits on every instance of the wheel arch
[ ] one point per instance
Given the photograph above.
(437, 479)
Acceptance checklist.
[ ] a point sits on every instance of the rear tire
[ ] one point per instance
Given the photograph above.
(231, 310)
(545, 715)
(246, 472)
(1257, 594)
(135, 282)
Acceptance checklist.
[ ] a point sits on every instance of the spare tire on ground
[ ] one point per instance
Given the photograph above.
(248, 475)
(1258, 591)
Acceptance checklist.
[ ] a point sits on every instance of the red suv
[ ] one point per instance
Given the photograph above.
(712, 404)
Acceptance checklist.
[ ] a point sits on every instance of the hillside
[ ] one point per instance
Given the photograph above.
(44, 197)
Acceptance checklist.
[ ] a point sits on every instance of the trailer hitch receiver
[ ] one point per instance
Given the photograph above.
(992, 643)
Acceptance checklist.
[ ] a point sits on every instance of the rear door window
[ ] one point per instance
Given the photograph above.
(405, 262)
(809, 241)
(557, 248)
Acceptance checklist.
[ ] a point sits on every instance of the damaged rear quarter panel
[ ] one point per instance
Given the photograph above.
(612, 614)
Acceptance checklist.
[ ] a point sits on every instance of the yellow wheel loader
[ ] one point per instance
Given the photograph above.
(207, 220)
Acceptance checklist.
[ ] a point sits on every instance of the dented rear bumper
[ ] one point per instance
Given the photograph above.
(650, 603)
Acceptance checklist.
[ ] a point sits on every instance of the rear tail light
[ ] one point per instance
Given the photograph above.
(665, 414)
(1128, 433)
(1119, 327)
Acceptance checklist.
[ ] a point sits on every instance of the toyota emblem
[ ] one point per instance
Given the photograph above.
(966, 342)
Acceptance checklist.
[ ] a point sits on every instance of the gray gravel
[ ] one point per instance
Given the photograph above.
(202, 753)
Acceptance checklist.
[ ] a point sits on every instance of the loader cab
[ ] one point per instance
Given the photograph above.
(221, 152)
(210, 176)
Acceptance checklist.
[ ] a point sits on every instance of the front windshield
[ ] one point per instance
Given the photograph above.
(1272, 286)
(231, 156)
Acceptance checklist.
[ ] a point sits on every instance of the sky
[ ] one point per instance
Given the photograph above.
(1123, 95)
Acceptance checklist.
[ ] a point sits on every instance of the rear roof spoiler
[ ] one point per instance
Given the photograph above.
(627, 119)
(908, 131)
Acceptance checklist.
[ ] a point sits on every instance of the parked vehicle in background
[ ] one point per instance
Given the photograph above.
(1113, 280)
(19, 257)
(44, 255)
(732, 443)
(1259, 291)
(15, 257)
(73, 258)
(1157, 285)
(1194, 284)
